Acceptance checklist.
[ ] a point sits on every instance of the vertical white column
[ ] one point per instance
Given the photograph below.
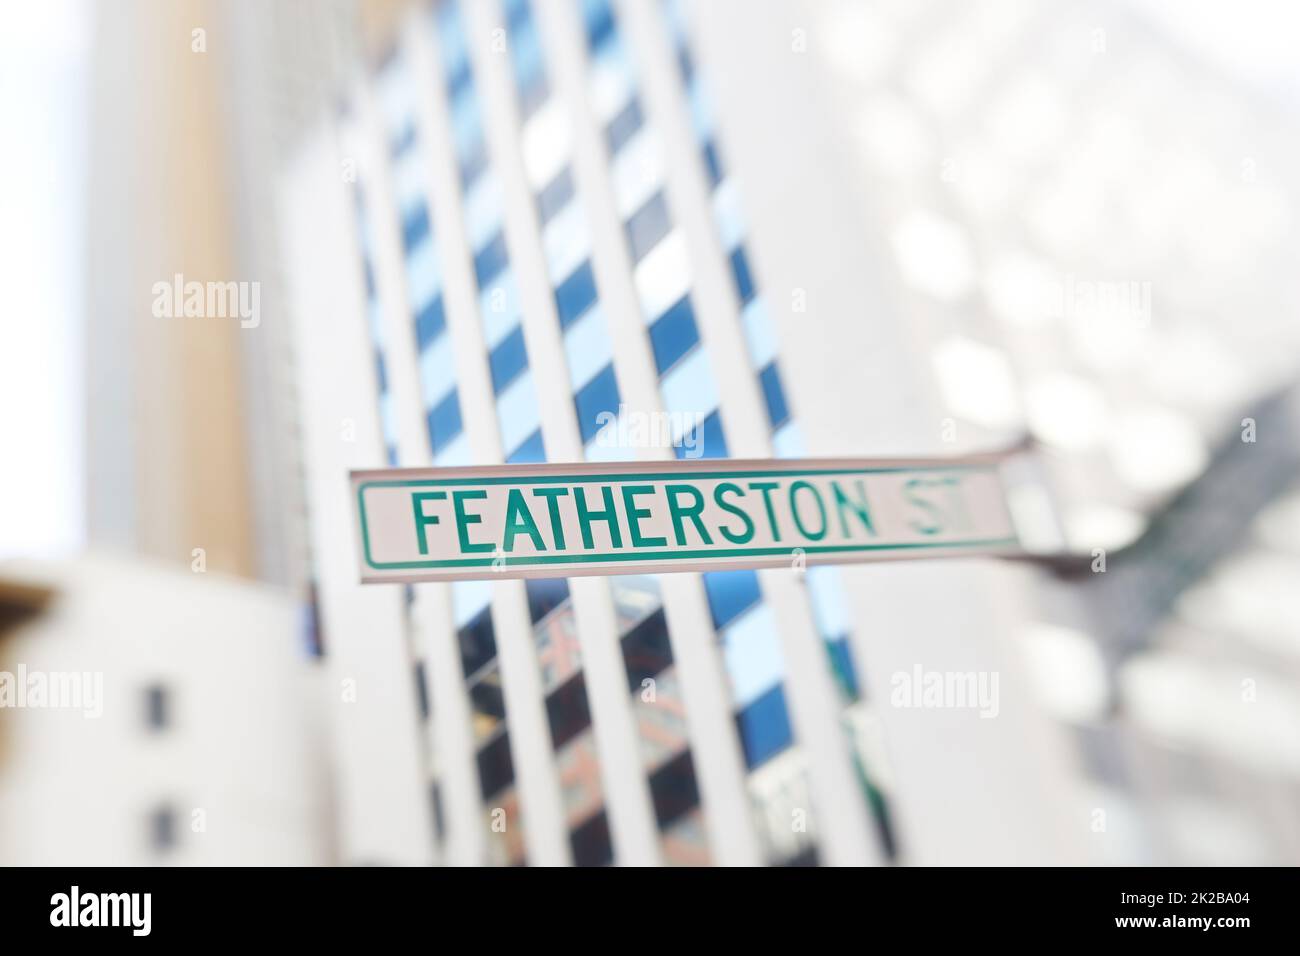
(465, 843)
(627, 794)
(545, 830)
(969, 790)
(715, 745)
(451, 733)
(389, 268)
(382, 793)
(842, 812)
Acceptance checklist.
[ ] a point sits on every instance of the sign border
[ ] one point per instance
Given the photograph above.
(549, 472)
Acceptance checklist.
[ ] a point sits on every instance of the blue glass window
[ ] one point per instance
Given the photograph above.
(369, 271)
(730, 594)
(444, 422)
(740, 270)
(430, 322)
(622, 127)
(673, 334)
(647, 226)
(555, 195)
(600, 22)
(530, 450)
(842, 665)
(773, 395)
(459, 79)
(526, 52)
(415, 227)
(684, 64)
(706, 441)
(490, 260)
(404, 140)
(764, 727)
(598, 395)
(473, 161)
(713, 163)
(517, 12)
(508, 359)
(575, 294)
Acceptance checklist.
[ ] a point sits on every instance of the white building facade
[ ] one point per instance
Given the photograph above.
(155, 716)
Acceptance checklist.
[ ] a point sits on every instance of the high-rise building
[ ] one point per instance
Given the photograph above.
(529, 229)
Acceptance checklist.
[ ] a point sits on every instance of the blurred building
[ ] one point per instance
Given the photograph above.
(527, 215)
(208, 750)
(174, 723)
(1090, 226)
(191, 420)
(838, 228)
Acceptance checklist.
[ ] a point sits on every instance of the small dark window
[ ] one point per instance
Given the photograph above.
(568, 711)
(156, 711)
(624, 126)
(673, 789)
(496, 771)
(545, 595)
(647, 226)
(555, 196)
(439, 823)
(421, 690)
(477, 641)
(646, 650)
(591, 842)
(162, 828)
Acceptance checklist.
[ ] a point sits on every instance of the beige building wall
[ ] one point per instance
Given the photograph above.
(165, 460)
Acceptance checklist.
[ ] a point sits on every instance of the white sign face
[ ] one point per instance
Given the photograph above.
(562, 520)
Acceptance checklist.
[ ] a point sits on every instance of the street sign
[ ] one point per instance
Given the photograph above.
(562, 520)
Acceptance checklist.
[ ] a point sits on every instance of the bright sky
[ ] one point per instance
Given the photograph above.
(43, 60)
